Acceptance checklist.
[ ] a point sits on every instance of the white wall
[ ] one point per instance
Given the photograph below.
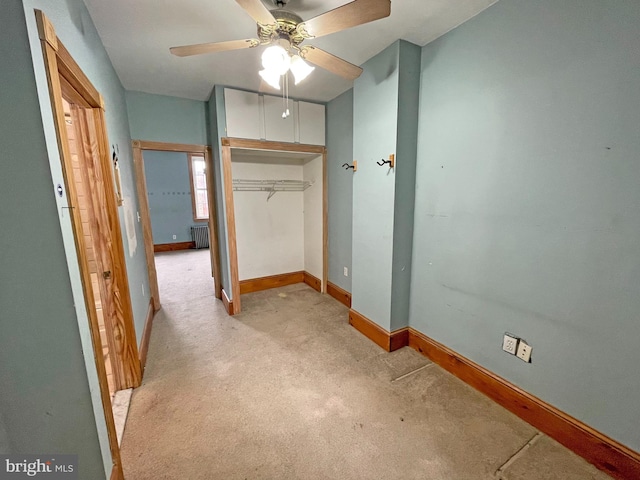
(269, 234)
(312, 171)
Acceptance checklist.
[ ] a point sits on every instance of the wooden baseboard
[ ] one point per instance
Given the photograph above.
(390, 341)
(172, 247)
(603, 452)
(272, 281)
(228, 304)
(313, 282)
(275, 281)
(339, 294)
(398, 339)
(146, 335)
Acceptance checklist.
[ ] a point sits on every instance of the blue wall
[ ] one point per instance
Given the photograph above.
(527, 201)
(75, 29)
(159, 118)
(339, 115)
(45, 396)
(405, 187)
(169, 189)
(50, 349)
(375, 118)
(217, 126)
(385, 122)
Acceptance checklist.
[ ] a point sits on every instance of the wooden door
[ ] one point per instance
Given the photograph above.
(110, 292)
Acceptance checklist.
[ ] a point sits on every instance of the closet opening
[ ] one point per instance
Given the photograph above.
(276, 209)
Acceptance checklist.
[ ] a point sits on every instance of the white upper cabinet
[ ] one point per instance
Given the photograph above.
(311, 123)
(276, 128)
(243, 114)
(259, 117)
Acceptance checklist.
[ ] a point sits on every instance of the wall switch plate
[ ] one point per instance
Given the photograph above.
(174, 237)
(346, 272)
(510, 344)
(524, 352)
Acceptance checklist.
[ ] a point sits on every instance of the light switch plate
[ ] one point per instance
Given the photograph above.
(346, 272)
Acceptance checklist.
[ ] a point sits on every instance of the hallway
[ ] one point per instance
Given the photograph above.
(288, 390)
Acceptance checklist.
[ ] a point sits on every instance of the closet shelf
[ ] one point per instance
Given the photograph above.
(270, 185)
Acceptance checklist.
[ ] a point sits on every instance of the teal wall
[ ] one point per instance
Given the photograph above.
(45, 399)
(385, 120)
(75, 29)
(375, 118)
(339, 128)
(169, 189)
(159, 118)
(218, 125)
(405, 173)
(527, 201)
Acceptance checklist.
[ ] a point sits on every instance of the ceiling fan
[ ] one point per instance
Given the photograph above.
(285, 32)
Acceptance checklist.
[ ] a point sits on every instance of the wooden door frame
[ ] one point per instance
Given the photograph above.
(139, 146)
(229, 143)
(63, 72)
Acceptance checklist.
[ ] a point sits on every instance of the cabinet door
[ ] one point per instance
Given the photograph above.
(276, 128)
(311, 123)
(243, 114)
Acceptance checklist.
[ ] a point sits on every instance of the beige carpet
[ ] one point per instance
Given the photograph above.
(288, 390)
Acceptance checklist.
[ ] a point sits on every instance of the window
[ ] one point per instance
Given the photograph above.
(199, 200)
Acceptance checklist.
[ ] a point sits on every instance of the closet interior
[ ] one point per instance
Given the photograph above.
(278, 203)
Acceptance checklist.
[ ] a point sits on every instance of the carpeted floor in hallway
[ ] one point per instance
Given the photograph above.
(288, 390)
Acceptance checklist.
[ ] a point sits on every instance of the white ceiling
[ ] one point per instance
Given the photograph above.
(138, 33)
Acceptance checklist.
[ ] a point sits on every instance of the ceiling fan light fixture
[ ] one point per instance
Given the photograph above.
(300, 68)
(272, 78)
(275, 60)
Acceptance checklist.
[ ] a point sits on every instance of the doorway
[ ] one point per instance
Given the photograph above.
(78, 138)
(88, 179)
(187, 211)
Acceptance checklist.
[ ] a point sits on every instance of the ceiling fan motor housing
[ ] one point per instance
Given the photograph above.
(284, 29)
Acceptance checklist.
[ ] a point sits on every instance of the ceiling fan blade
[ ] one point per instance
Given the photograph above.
(257, 11)
(350, 15)
(201, 48)
(330, 62)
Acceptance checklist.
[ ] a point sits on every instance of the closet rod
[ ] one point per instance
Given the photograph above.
(271, 185)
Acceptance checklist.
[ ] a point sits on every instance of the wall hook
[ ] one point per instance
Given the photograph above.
(354, 166)
(391, 161)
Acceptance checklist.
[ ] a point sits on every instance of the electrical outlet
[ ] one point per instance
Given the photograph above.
(346, 272)
(524, 352)
(510, 344)
(143, 289)
(174, 237)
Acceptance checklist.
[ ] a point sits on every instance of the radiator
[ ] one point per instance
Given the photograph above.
(200, 235)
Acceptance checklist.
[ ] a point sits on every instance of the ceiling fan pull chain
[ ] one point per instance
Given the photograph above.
(285, 97)
(284, 103)
(286, 82)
